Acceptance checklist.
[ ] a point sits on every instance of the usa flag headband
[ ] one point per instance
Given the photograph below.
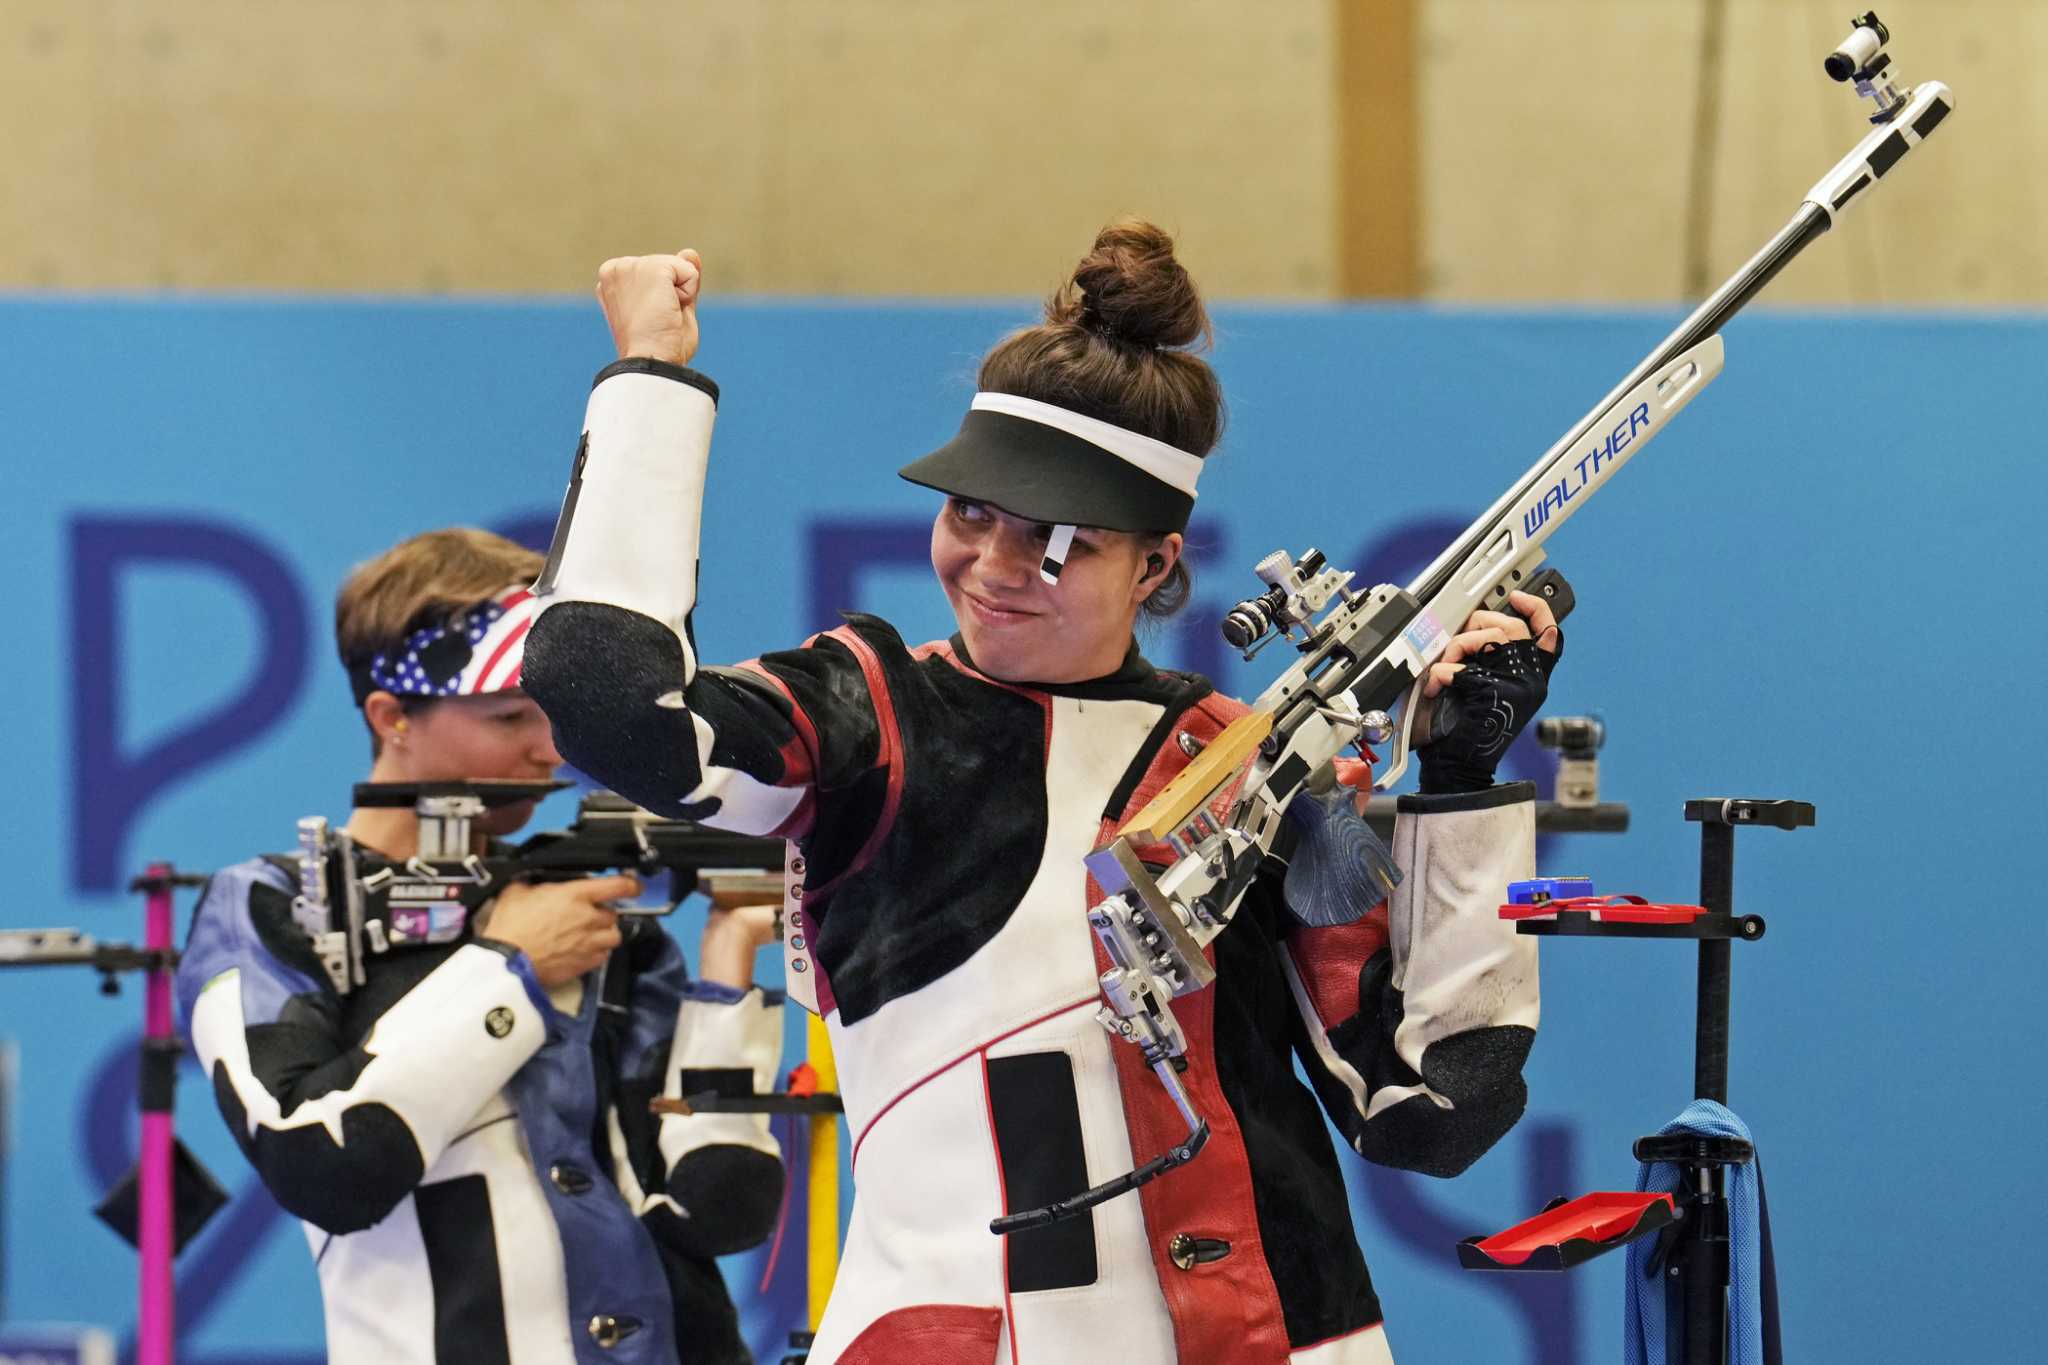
(478, 651)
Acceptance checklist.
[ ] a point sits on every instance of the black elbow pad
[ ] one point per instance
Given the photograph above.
(599, 672)
(730, 1196)
(338, 1189)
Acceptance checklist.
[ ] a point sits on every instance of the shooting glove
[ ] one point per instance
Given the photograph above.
(1487, 704)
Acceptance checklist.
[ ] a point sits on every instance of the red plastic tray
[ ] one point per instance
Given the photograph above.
(1595, 1217)
(1616, 909)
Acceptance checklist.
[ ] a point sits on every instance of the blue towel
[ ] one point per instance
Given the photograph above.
(1340, 869)
(1752, 1289)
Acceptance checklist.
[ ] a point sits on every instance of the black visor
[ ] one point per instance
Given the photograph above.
(1041, 473)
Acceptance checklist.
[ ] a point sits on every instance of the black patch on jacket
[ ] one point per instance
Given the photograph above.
(846, 816)
(749, 719)
(1478, 1071)
(827, 682)
(726, 1082)
(270, 912)
(597, 671)
(337, 1189)
(642, 947)
(707, 1326)
(1037, 1119)
(732, 1194)
(390, 977)
(1298, 1191)
(969, 831)
(462, 1261)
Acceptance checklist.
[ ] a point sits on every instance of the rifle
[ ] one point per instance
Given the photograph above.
(1364, 654)
(433, 897)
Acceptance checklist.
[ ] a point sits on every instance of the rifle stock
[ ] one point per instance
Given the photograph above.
(1227, 755)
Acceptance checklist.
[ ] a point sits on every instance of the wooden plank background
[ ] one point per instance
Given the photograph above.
(1460, 150)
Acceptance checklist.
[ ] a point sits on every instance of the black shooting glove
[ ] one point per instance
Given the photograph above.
(1487, 703)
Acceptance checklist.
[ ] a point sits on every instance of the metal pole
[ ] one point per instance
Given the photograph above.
(1717, 878)
(156, 1330)
(1703, 1284)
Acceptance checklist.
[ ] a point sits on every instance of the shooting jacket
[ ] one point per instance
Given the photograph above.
(473, 1157)
(943, 817)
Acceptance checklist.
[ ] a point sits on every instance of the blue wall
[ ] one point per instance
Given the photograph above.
(1814, 586)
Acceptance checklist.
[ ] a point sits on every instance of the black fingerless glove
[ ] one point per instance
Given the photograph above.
(1487, 704)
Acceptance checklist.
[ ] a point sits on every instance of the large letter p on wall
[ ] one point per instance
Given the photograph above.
(111, 786)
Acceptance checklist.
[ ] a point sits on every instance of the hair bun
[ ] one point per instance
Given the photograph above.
(1130, 289)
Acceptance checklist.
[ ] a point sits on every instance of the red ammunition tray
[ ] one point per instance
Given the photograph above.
(1569, 1232)
(1609, 909)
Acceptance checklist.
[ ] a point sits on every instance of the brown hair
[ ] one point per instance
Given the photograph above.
(1118, 344)
(431, 575)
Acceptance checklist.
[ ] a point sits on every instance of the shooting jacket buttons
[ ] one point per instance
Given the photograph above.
(570, 1179)
(1188, 1252)
(608, 1331)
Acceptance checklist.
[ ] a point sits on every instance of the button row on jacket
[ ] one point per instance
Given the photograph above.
(608, 1331)
(1188, 1252)
(605, 1329)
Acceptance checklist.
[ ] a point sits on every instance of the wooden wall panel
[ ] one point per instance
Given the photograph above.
(49, 208)
(1555, 138)
(966, 149)
(864, 146)
(961, 148)
(1557, 135)
(1378, 167)
(1962, 222)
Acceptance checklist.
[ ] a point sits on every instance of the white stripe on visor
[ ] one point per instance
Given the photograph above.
(1171, 466)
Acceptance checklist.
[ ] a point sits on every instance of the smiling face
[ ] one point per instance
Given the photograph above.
(1018, 627)
(501, 735)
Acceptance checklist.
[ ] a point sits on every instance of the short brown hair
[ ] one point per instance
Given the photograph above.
(433, 574)
(1118, 343)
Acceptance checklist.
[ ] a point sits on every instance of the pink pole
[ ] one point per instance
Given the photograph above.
(156, 1330)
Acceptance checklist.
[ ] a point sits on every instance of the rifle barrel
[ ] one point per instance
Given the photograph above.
(1806, 227)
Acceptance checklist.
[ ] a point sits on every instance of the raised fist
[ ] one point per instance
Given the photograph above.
(651, 304)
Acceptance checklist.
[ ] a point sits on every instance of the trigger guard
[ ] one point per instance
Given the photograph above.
(1398, 755)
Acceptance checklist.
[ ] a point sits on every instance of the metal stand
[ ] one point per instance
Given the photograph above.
(1692, 1248)
(156, 1332)
(1695, 1260)
(156, 1230)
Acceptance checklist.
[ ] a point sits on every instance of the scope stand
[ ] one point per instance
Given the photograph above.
(169, 1195)
(1692, 1223)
